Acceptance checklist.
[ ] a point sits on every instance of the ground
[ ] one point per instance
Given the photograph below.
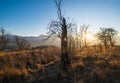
(43, 66)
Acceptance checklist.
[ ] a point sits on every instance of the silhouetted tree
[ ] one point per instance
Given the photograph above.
(60, 28)
(21, 43)
(111, 34)
(3, 39)
(106, 36)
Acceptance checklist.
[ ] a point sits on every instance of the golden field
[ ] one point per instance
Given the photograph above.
(89, 65)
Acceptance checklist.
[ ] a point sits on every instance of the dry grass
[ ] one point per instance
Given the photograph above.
(93, 66)
(22, 63)
(88, 66)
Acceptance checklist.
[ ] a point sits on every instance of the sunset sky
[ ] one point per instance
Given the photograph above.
(31, 17)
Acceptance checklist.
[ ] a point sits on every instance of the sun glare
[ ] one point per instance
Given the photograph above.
(89, 37)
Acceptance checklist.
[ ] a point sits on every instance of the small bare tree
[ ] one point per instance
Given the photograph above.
(106, 36)
(21, 43)
(72, 40)
(83, 33)
(3, 39)
(111, 35)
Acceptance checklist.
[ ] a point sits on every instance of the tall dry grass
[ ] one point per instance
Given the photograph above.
(18, 65)
(89, 65)
(94, 66)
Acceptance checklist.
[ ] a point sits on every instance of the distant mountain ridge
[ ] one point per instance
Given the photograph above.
(41, 40)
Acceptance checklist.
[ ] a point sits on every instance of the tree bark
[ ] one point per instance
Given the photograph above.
(65, 59)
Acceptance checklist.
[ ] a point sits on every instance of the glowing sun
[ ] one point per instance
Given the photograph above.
(89, 37)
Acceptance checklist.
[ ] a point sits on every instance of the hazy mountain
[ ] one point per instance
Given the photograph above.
(40, 40)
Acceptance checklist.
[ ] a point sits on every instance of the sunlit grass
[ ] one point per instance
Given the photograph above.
(88, 64)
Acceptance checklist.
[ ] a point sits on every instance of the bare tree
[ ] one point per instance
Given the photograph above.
(106, 36)
(3, 39)
(83, 33)
(101, 35)
(111, 34)
(21, 43)
(60, 28)
(72, 40)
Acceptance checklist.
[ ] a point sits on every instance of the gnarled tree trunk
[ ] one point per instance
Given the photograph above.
(65, 59)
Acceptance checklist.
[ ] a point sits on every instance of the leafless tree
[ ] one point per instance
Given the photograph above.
(83, 33)
(3, 39)
(101, 35)
(60, 28)
(21, 43)
(106, 36)
(111, 35)
(72, 40)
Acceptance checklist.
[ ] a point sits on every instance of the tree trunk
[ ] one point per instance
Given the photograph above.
(65, 59)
